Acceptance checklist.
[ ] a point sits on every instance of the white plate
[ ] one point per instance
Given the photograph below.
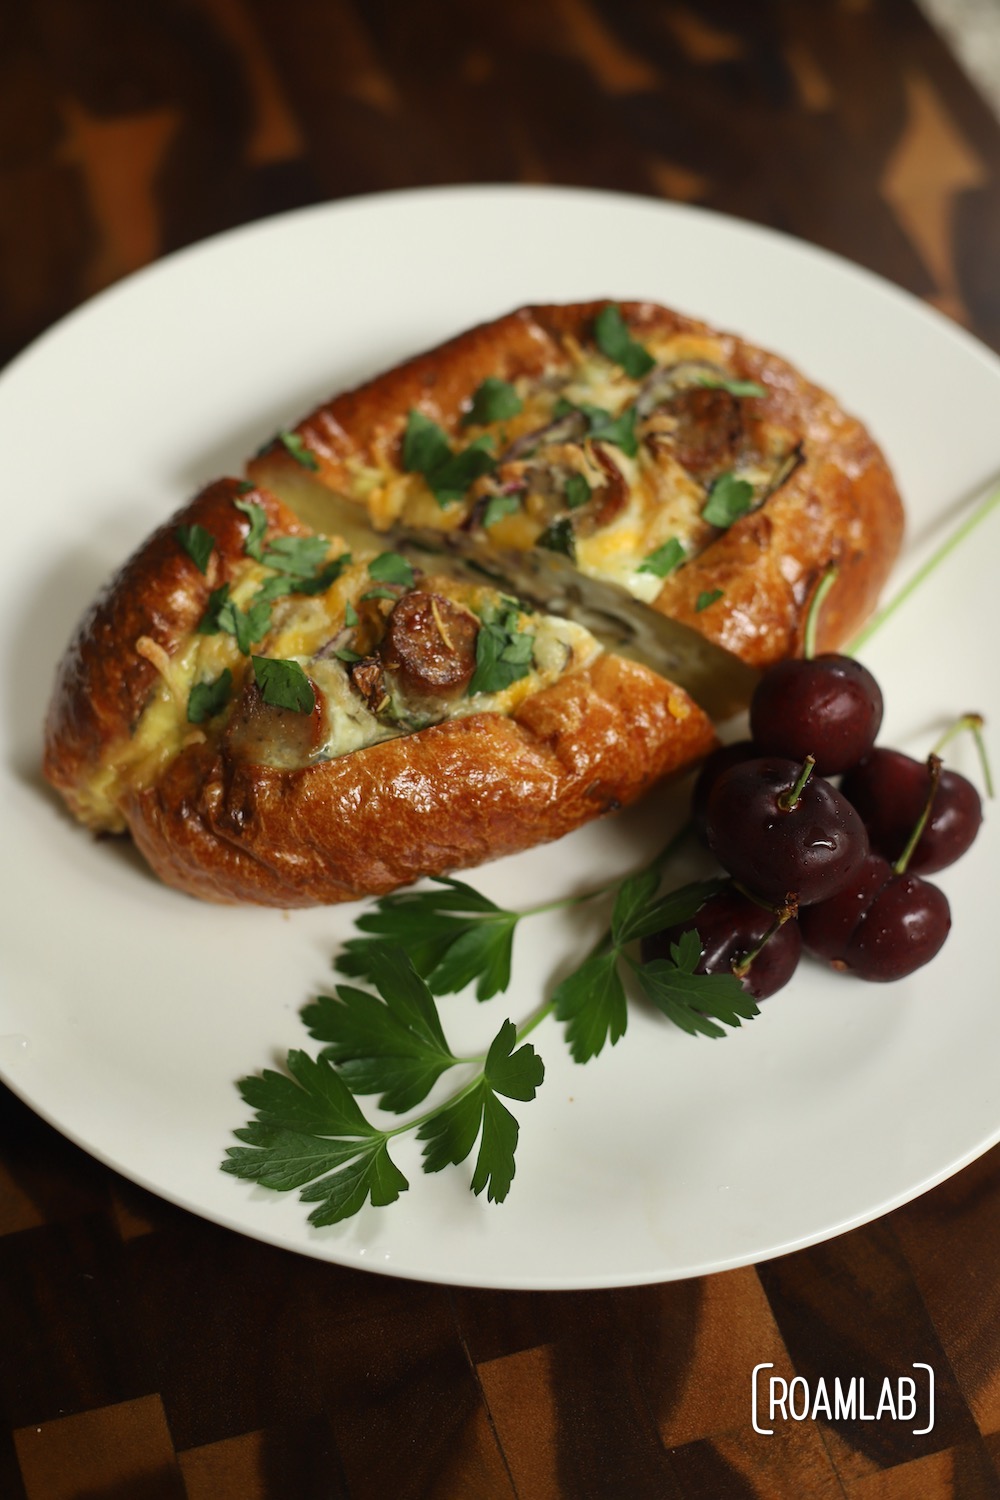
(127, 1011)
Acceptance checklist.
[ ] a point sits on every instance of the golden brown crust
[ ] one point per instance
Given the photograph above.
(103, 682)
(449, 797)
(215, 823)
(225, 828)
(840, 506)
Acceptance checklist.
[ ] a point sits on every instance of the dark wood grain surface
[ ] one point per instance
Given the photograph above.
(146, 1354)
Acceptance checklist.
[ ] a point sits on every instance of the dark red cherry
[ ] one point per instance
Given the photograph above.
(712, 768)
(903, 928)
(777, 843)
(731, 927)
(828, 706)
(890, 789)
(827, 926)
(881, 926)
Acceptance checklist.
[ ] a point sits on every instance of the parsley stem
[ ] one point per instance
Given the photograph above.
(428, 1114)
(658, 863)
(533, 1021)
(981, 511)
(666, 854)
(812, 618)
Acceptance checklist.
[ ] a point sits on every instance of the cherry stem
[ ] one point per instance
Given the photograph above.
(782, 915)
(974, 723)
(789, 801)
(934, 767)
(812, 618)
(980, 513)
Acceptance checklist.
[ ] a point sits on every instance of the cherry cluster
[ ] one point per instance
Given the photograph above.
(837, 869)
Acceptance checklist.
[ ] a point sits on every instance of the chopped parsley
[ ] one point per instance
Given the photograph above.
(253, 546)
(493, 401)
(391, 567)
(601, 425)
(206, 699)
(499, 506)
(298, 450)
(504, 652)
(663, 560)
(734, 387)
(614, 340)
(298, 556)
(576, 491)
(729, 499)
(283, 684)
(222, 614)
(197, 542)
(427, 451)
(559, 536)
(709, 596)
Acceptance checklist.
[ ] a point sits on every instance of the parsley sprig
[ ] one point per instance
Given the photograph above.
(310, 1133)
(592, 1000)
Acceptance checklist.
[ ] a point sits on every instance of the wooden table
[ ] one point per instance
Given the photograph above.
(144, 1353)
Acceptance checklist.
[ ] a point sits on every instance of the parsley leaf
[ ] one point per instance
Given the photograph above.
(602, 426)
(689, 999)
(373, 1176)
(493, 401)
(668, 911)
(504, 653)
(209, 622)
(481, 953)
(295, 445)
(592, 1001)
(614, 340)
(309, 1127)
(222, 614)
(425, 446)
(390, 567)
(734, 387)
(257, 516)
(665, 559)
(730, 498)
(452, 936)
(451, 1132)
(499, 506)
(392, 1044)
(299, 556)
(577, 491)
(197, 542)
(707, 597)
(249, 626)
(631, 903)
(298, 561)
(592, 998)
(313, 1099)
(206, 699)
(559, 536)
(426, 451)
(328, 574)
(283, 684)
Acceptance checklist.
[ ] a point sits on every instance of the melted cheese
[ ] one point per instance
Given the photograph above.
(303, 629)
(664, 501)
